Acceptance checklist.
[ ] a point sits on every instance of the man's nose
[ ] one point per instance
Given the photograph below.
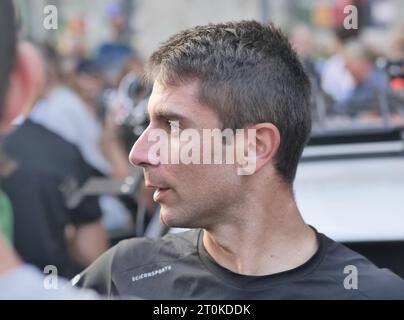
(139, 155)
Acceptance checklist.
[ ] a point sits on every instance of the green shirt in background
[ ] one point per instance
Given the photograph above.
(6, 217)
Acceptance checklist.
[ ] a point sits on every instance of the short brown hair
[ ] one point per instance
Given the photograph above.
(249, 74)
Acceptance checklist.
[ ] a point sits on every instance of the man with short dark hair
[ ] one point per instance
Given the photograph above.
(248, 238)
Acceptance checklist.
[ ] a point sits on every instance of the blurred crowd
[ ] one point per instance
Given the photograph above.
(78, 127)
(352, 78)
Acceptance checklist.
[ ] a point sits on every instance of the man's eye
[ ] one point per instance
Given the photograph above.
(174, 125)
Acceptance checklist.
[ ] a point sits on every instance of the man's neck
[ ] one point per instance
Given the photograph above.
(265, 239)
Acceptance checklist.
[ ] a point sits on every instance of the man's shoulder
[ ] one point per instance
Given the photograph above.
(382, 284)
(353, 269)
(136, 252)
(46, 142)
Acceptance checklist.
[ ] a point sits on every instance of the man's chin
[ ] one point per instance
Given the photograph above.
(166, 217)
(171, 218)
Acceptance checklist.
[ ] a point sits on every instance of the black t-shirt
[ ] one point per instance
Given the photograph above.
(45, 162)
(177, 266)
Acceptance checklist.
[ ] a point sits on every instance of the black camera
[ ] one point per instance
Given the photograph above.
(393, 68)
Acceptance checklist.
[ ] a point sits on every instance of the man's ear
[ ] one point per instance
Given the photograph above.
(26, 83)
(267, 141)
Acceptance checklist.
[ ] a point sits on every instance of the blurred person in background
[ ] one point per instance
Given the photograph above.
(336, 80)
(44, 162)
(19, 84)
(368, 79)
(112, 161)
(369, 85)
(63, 111)
(115, 53)
(69, 109)
(302, 41)
(103, 143)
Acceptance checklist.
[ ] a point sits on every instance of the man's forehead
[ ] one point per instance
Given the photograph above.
(180, 99)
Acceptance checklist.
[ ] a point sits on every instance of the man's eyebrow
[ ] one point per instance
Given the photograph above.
(170, 115)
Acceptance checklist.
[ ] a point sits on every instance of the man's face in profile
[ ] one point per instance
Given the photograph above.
(190, 195)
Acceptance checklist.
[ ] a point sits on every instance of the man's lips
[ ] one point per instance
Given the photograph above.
(156, 186)
(159, 194)
(160, 190)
